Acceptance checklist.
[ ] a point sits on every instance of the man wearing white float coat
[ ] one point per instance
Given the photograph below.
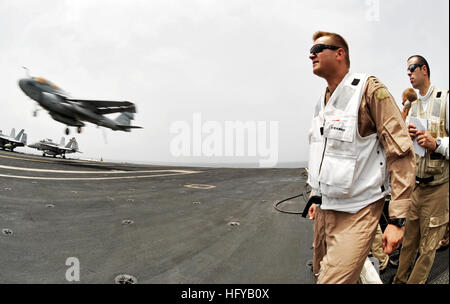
(358, 140)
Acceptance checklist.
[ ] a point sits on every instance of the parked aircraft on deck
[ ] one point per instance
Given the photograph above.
(13, 141)
(51, 148)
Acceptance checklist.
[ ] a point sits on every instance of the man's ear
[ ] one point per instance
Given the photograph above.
(340, 53)
(424, 67)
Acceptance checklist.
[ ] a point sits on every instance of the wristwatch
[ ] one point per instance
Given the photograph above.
(399, 222)
(438, 142)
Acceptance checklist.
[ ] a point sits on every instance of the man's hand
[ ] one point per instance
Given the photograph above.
(392, 238)
(312, 212)
(426, 140)
(412, 130)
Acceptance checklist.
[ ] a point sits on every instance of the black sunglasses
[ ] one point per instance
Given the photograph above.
(318, 48)
(414, 66)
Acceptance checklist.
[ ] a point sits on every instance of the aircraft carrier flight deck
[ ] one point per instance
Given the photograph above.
(154, 224)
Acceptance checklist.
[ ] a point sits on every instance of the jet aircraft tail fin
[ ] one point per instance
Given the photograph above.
(124, 118)
(24, 139)
(62, 142)
(72, 144)
(18, 135)
(13, 133)
(123, 121)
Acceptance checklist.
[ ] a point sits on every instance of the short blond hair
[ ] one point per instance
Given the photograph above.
(409, 94)
(337, 40)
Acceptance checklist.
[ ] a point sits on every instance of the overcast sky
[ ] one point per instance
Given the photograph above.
(237, 60)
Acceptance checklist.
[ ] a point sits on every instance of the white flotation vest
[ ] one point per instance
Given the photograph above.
(347, 170)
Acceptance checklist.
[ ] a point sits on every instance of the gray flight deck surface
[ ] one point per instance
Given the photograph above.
(178, 235)
(148, 222)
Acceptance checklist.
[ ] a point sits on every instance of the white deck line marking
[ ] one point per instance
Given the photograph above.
(90, 172)
(30, 159)
(199, 186)
(58, 171)
(181, 172)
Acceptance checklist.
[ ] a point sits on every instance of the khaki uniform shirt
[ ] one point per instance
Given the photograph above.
(379, 113)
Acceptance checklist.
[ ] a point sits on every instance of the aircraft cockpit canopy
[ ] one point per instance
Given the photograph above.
(45, 81)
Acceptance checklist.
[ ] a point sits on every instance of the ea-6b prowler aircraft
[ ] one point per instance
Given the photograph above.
(13, 141)
(72, 112)
(51, 148)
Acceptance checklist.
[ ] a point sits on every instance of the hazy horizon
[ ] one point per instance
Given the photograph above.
(228, 61)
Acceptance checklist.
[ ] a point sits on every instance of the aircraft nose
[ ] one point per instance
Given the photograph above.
(29, 89)
(23, 84)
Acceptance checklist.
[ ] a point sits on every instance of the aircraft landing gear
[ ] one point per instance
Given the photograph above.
(67, 131)
(35, 111)
(43, 154)
(64, 156)
(79, 129)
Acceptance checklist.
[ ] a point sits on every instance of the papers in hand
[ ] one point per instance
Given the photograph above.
(421, 124)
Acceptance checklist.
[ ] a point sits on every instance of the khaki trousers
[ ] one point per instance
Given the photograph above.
(377, 249)
(342, 242)
(424, 228)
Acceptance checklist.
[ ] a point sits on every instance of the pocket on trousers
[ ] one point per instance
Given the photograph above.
(436, 221)
(434, 166)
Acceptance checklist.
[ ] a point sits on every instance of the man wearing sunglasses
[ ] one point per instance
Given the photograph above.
(358, 140)
(428, 216)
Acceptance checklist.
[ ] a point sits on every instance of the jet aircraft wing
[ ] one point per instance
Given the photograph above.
(50, 147)
(68, 149)
(9, 139)
(13, 140)
(106, 106)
